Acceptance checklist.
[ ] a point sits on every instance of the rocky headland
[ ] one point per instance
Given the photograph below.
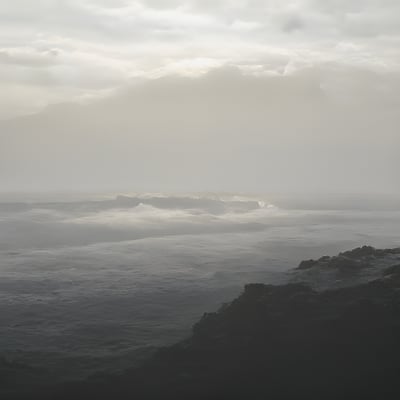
(292, 341)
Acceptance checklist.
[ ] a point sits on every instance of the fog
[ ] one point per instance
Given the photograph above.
(327, 129)
(157, 155)
(164, 96)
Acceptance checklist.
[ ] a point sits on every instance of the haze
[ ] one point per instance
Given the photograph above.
(249, 96)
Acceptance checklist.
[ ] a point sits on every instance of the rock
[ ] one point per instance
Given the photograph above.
(369, 251)
(360, 252)
(393, 270)
(277, 342)
(307, 264)
(344, 264)
(349, 261)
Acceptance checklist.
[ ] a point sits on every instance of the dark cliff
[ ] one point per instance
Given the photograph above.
(277, 342)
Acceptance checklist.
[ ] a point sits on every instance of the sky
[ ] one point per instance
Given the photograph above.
(221, 95)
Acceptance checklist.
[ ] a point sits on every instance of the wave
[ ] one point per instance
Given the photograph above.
(212, 204)
(64, 223)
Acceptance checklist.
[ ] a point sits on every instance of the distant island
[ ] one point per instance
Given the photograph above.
(292, 341)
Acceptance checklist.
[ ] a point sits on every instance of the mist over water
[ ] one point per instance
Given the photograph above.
(86, 282)
(247, 100)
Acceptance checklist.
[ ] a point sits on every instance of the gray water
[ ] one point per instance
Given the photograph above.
(85, 283)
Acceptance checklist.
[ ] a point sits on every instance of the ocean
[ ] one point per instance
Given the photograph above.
(89, 283)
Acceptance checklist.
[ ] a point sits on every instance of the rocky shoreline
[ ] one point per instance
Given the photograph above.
(351, 260)
(280, 342)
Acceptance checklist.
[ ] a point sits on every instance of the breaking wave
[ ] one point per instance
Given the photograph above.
(128, 218)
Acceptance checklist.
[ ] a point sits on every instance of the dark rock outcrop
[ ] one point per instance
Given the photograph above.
(350, 261)
(369, 251)
(307, 264)
(393, 271)
(276, 342)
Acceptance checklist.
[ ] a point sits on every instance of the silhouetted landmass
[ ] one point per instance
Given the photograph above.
(277, 342)
(350, 260)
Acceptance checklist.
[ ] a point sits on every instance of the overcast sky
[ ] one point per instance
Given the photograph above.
(200, 94)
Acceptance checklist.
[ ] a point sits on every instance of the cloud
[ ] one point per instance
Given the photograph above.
(102, 44)
(293, 24)
(28, 57)
(328, 128)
